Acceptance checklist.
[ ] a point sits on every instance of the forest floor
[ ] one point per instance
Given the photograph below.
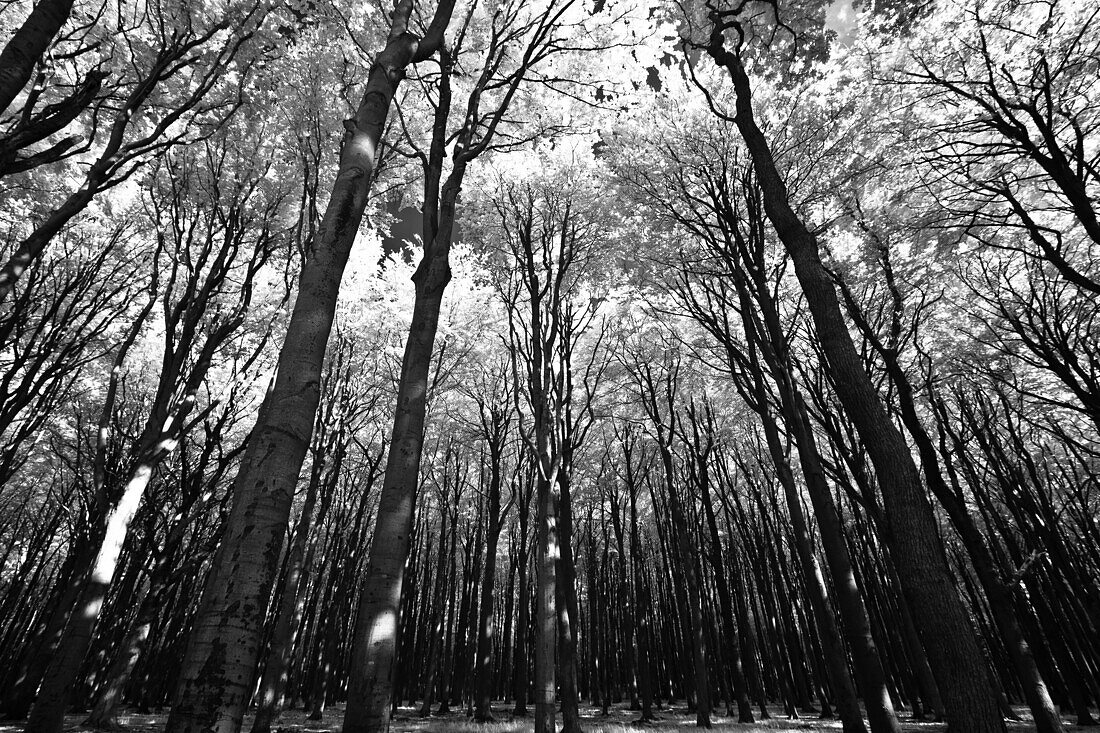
(617, 721)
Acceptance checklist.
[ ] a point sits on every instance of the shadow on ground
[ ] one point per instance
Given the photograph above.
(619, 720)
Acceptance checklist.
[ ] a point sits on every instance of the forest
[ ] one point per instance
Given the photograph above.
(553, 365)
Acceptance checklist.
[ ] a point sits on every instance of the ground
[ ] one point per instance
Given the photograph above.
(618, 721)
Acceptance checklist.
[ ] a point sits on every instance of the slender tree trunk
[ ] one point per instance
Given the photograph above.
(640, 608)
(690, 568)
(725, 603)
(48, 713)
(940, 615)
(483, 673)
(439, 614)
(813, 580)
(523, 625)
(568, 609)
(32, 669)
(274, 678)
(546, 611)
(104, 713)
(374, 648)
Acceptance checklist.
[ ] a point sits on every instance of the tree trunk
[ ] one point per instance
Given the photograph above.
(940, 615)
(214, 685)
(523, 625)
(546, 611)
(483, 673)
(48, 713)
(27, 47)
(103, 715)
(568, 609)
(375, 644)
(725, 604)
(273, 681)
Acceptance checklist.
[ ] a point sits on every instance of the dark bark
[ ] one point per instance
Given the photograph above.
(940, 615)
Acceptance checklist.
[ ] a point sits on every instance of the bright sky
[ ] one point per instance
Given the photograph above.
(841, 18)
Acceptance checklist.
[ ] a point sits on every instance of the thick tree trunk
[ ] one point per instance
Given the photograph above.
(27, 47)
(215, 682)
(998, 591)
(940, 615)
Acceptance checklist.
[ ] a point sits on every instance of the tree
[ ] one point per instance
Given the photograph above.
(529, 39)
(235, 237)
(213, 688)
(953, 650)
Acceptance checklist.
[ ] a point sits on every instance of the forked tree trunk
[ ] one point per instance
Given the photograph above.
(939, 614)
(216, 678)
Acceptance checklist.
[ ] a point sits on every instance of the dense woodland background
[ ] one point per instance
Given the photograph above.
(722, 360)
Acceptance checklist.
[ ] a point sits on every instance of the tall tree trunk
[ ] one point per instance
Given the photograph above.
(568, 609)
(439, 610)
(690, 568)
(546, 612)
(523, 625)
(813, 580)
(940, 615)
(857, 627)
(640, 609)
(483, 673)
(103, 715)
(375, 642)
(725, 604)
(215, 685)
(999, 592)
(274, 678)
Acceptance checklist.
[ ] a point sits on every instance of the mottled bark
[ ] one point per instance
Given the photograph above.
(217, 673)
